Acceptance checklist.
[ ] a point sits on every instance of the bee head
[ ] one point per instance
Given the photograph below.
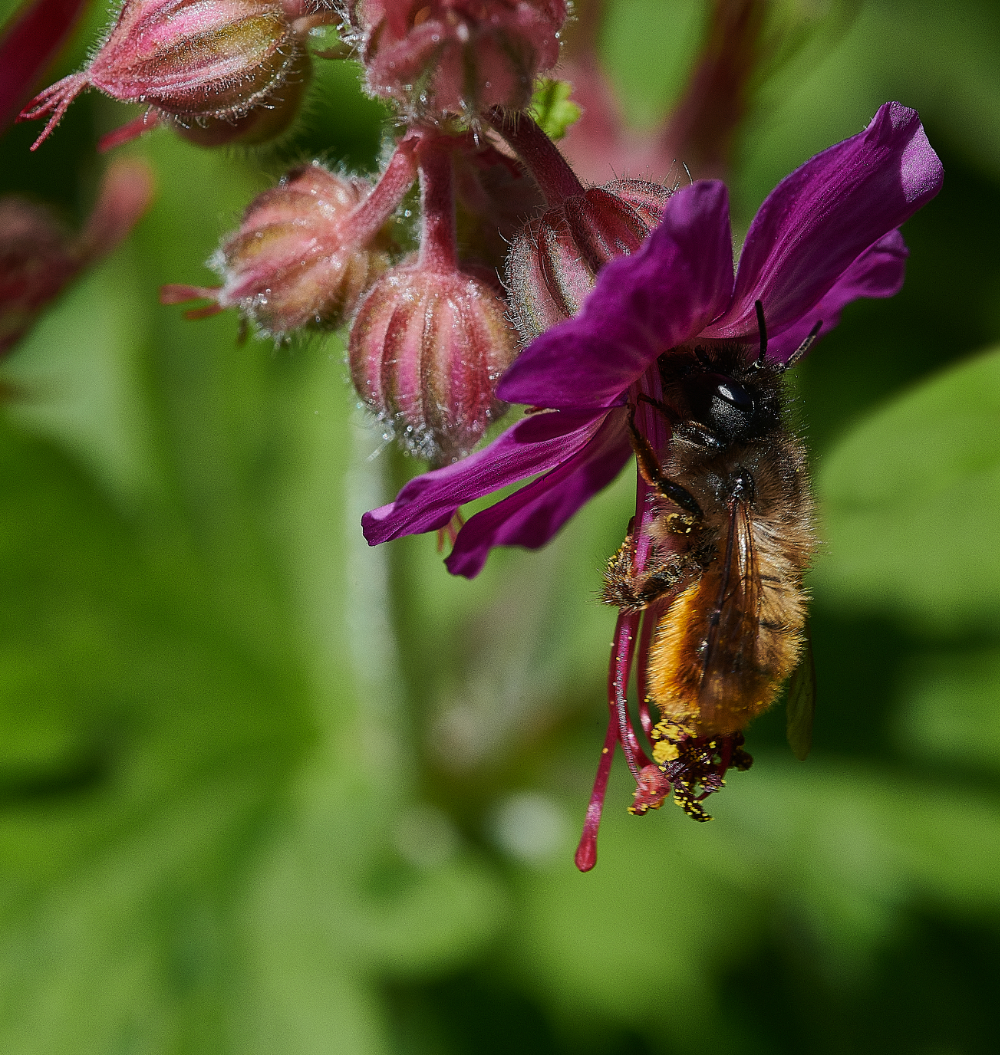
(733, 399)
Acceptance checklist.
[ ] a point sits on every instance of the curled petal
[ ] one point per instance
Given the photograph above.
(878, 272)
(642, 305)
(823, 217)
(535, 444)
(531, 516)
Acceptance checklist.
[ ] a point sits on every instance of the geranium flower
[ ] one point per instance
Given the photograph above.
(825, 236)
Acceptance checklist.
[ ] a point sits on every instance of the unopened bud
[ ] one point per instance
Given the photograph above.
(264, 122)
(426, 351)
(459, 56)
(494, 194)
(554, 259)
(194, 62)
(294, 262)
(38, 256)
(37, 259)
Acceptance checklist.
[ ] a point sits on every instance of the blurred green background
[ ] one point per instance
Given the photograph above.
(265, 790)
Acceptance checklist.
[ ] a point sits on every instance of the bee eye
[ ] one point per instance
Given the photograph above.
(735, 395)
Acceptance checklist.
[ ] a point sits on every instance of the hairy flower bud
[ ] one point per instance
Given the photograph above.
(494, 193)
(39, 256)
(554, 259)
(295, 261)
(195, 62)
(426, 351)
(457, 55)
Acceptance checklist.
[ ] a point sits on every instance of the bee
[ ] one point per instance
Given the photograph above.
(732, 534)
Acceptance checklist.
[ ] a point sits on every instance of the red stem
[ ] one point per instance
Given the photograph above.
(551, 171)
(645, 639)
(373, 213)
(438, 249)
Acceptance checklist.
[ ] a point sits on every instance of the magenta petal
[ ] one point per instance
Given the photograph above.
(878, 272)
(822, 217)
(531, 516)
(643, 304)
(29, 44)
(534, 445)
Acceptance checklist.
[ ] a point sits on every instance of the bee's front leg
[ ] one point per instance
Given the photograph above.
(652, 472)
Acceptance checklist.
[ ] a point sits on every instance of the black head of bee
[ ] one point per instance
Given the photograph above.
(728, 407)
(723, 395)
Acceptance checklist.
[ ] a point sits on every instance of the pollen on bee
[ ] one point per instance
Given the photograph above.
(665, 751)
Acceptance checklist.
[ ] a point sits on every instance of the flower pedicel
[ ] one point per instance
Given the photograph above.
(670, 358)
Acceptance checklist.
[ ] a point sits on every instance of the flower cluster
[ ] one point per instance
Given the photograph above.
(827, 235)
(611, 309)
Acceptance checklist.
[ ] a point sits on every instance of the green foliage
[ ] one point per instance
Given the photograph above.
(265, 790)
(552, 108)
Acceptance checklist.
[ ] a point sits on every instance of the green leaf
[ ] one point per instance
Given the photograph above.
(910, 501)
(552, 107)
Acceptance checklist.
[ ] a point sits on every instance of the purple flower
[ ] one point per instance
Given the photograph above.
(825, 236)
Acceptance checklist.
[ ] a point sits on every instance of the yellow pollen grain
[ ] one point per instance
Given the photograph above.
(664, 751)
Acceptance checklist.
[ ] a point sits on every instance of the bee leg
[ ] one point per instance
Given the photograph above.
(631, 592)
(653, 474)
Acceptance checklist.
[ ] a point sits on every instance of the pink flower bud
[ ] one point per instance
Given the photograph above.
(426, 351)
(295, 261)
(494, 194)
(37, 259)
(191, 60)
(457, 55)
(261, 124)
(554, 259)
(38, 256)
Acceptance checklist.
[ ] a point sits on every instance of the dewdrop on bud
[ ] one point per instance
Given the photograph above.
(554, 259)
(295, 262)
(458, 56)
(426, 351)
(201, 64)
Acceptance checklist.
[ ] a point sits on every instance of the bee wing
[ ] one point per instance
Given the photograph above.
(801, 704)
(731, 646)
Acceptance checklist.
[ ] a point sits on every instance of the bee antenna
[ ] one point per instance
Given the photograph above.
(804, 346)
(762, 330)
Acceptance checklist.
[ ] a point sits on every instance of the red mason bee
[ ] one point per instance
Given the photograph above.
(721, 587)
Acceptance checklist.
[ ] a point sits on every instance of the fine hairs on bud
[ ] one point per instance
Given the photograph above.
(295, 262)
(426, 351)
(216, 70)
(455, 56)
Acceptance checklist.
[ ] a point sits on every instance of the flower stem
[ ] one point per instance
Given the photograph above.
(622, 655)
(551, 171)
(373, 213)
(438, 249)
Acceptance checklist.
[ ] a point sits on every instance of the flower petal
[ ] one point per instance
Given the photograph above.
(878, 272)
(822, 217)
(642, 304)
(534, 445)
(531, 516)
